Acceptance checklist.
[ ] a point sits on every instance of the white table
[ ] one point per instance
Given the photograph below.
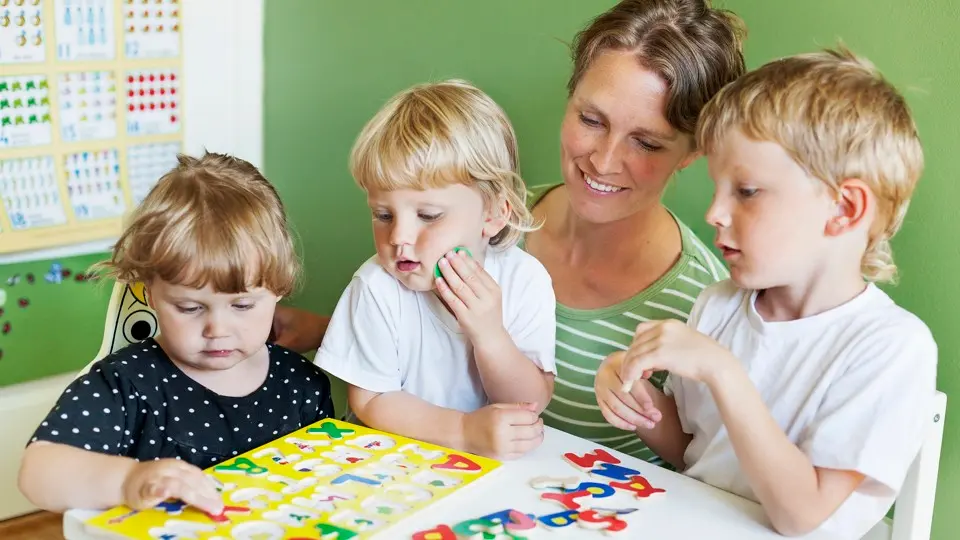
(688, 510)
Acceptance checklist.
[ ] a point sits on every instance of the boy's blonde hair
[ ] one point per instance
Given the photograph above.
(214, 220)
(439, 134)
(838, 118)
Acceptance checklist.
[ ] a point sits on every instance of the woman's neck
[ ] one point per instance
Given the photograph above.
(617, 242)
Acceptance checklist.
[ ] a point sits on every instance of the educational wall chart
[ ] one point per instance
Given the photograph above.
(90, 115)
(328, 480)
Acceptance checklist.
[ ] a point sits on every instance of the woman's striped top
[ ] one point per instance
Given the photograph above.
(586, 337)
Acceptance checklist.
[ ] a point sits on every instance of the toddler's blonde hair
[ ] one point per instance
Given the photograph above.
(211, 220)
(838, 118)
(439, 134)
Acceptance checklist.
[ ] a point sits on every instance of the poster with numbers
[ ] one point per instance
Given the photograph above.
(90, 115)
(22, 38)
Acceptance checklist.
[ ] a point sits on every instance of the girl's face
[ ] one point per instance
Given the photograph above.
(210, 331)
(413, 229)
(617, 149)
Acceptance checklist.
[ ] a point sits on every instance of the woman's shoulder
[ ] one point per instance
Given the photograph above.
(536, 193)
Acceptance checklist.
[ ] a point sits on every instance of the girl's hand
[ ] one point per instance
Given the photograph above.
(629, 410)
(473, 296)
(151, 482)
(503, 430)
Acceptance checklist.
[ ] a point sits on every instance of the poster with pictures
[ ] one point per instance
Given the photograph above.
(30, 193)
(21, 32)
(153, 103)
(24, 111)
(85, 29)
(147, 163)
(93, 184)
(151, 29)
(88, 105)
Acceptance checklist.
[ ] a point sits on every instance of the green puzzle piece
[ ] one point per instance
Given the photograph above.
(4, 87)
(18, 121)
(31, 85)
(330, 430)
(6, 121)
(4, 103)
(44, 84)
(241, 465)
(338, 533)
(17, 85)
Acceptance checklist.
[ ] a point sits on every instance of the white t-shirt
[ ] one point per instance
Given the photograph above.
(851, 387)
(384, 337)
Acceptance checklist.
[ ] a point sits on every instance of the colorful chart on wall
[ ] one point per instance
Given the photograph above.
(90, 115)
(328, 480)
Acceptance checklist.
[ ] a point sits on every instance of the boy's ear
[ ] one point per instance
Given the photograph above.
(854, 205)
(495, 218)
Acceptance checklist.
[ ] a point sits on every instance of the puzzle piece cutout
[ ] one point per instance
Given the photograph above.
(330, 430)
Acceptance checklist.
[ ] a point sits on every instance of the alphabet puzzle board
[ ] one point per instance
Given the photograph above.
(330, 480)
(90, 115)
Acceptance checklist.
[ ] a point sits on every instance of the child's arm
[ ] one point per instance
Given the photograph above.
(796, 495)
(508, 374)
(503, 431)
(58, 477)
(644, 409)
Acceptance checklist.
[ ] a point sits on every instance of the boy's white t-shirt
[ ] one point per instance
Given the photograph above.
(384, 337)
(851, 387)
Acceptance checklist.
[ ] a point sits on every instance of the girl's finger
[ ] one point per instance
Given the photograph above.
(453, 301)
(455, 280)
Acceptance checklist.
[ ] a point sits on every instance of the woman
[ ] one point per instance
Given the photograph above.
(617, 256)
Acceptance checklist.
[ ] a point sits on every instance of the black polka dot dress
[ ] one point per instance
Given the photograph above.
(137, 403)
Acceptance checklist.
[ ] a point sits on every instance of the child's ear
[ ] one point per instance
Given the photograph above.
(148, 297)
(853, 206)
(495, 218)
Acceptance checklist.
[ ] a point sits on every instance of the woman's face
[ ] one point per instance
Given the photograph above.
(617, 149)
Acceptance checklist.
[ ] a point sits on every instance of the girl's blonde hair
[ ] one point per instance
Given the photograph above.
(214, 220)
(438, 134)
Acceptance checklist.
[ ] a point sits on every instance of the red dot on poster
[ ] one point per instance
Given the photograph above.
(163, 105)
(142, 106)
(153, 106)
(141, 78)
(173, 77)
(141, 91)
(173, 104)
(163, 77)
(173, 90)
(130, 79)
(151, 78)
(173, 119)
(130, 93)
(163, 91)
(132, 108)
(152, 91)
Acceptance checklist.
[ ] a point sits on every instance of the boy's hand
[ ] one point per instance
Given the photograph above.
(675, 347)
(151, 482)
(503, 430)
(629, 410)
(472, 295)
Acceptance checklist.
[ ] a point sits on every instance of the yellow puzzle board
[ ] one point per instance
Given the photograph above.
(330, 480)
(86, 124)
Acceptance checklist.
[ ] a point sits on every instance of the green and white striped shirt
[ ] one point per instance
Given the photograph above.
(586, 336)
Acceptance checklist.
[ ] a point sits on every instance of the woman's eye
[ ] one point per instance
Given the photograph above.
(589, 121)
(430, 217)
(648, 146)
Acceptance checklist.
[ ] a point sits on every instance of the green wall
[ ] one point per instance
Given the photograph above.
(330, 65)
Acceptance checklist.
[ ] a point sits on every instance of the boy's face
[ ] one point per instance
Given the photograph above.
(413, 229)
(770, 215)
(210, 331)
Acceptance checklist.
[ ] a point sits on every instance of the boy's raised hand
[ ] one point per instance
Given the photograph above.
(151, 482)
(472, 295)
(675, 347)
(630, 409)
(503, 430)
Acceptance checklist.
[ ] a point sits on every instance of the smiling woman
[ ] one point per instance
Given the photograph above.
(617, 256)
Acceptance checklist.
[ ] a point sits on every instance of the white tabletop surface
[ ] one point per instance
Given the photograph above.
(688, 508)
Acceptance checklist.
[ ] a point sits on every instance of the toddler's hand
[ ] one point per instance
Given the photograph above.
(626, 410)
(151, 482)
(675, 347)
(503, 430)
(472, 294)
